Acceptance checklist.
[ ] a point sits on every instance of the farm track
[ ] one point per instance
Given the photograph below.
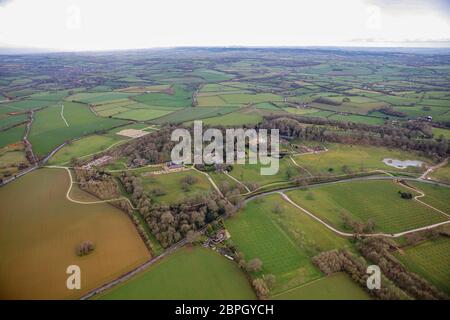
(299, 166)
(210, 181)
(239, 182)
(62, 115)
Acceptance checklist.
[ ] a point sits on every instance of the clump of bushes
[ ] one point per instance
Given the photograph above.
(84, 248)
(187, 182)
(405, 195)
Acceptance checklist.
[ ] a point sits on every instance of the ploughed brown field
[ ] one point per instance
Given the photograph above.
(39, 232)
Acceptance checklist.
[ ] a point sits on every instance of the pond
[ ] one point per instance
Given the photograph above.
(402, 164)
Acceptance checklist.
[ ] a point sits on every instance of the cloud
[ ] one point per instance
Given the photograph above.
(443, 6)
(105, 24)
(4, 2)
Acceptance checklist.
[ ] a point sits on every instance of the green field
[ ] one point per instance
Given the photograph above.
(212, 75)
(189, 274)
(181, 97)
(56, 95)
(12, 135)
(243, 98)
(355, 158)
(338, 286)
(142, 114)
(284, 248)
(251, 174)
(430, 260)
(171, 184)
(10, 157)
(435, 195)
(221, 179)
(309, 235)
(189, 114)
(364, 200)
(442, 174)
(83, 147)
(22, 105)
(357, 119)
(98, 97)
(234, 119)
(8, 121)
(437, 132)
(49, 130)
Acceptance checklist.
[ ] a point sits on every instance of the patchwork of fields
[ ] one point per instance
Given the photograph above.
(50, 130)
(363, 108)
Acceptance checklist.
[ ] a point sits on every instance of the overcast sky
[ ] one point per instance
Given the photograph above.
(111, 24)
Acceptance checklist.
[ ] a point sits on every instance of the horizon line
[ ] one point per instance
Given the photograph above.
(37, 50)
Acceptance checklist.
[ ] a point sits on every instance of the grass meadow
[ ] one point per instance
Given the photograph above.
(338, 286)
(188, 274)
(364, 200)
(431, 260)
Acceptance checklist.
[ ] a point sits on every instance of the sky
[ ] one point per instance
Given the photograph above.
(74, 25)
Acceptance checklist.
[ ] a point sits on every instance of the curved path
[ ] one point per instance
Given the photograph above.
(68, 197)
(299, 166)
(210, 180)
(421, 195)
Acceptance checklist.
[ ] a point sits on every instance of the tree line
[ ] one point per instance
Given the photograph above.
(413, 136)
(377, 250)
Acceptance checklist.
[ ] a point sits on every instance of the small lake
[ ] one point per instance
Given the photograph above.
(402, 164)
